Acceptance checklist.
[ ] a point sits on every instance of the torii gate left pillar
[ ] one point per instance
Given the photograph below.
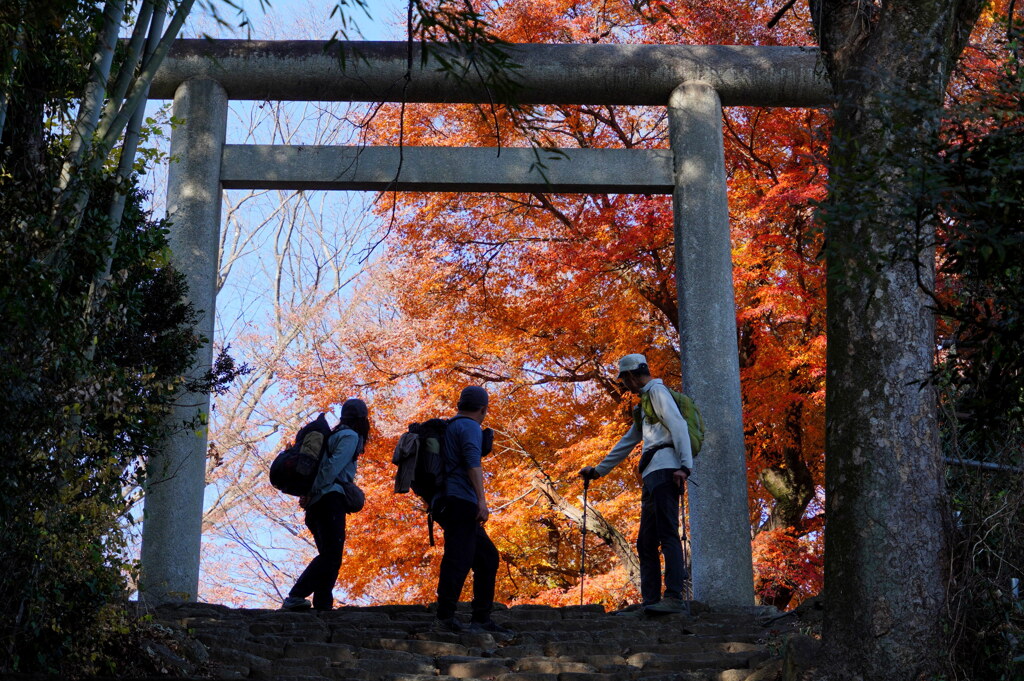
(176, 475)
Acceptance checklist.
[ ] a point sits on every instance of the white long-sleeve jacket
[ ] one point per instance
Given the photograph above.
(671, 428)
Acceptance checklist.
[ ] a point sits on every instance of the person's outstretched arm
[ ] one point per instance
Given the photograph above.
(619, 452)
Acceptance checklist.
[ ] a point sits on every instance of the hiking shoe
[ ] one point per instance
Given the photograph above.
(668, 606)
(489, 627)
(449, 624)
(295, 604)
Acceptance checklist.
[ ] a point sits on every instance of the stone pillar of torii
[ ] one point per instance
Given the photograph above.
(693, 82)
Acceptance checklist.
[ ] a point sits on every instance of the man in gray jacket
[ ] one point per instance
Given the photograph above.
(665, 465)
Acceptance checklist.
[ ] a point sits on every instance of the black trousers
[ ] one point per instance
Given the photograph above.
(659, 529)
(466, 547)
(326, 520)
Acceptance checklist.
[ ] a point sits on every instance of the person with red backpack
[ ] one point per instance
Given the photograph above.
(326, 506)
(460, 508)
(665, 465)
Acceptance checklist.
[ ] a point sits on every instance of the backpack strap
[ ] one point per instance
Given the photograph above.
(445, 472)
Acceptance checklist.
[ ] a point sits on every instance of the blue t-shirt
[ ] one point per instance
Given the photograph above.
(462, 447)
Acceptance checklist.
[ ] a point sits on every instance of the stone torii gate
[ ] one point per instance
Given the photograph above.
(693, 82)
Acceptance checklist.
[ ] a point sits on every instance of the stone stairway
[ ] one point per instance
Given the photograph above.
(396, 643)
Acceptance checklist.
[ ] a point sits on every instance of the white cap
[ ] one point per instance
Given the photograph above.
(631, 362)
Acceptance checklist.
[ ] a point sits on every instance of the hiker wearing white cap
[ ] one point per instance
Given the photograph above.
(665, 465)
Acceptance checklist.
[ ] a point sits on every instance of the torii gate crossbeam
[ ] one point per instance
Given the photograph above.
(693, 82)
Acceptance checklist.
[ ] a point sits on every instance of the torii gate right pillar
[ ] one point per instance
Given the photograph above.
(719, 508)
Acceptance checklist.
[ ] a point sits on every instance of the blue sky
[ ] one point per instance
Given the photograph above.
(376, 26)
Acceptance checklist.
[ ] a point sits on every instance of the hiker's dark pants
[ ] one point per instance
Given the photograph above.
(326, 520)
(659, 529)
(466, 547)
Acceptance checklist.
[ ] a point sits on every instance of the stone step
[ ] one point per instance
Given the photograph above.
(653, 661)
(693, 645)
(396, 643)
(334, 652)
(547, 665)
(464, 667)
(423, 647)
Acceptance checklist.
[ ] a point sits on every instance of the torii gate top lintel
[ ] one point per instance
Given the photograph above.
(644, 75)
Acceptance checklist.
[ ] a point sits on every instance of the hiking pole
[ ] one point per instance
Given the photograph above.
(583, 542)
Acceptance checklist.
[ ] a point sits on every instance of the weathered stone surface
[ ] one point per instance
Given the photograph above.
(433, 648)
(217, 645)
(621, 671)
(309, 631)
(588, 610)
(547, 665)
(364, 638)
(548, 636)
(517, 676)
(653, 661)
(598, 660)
(532, 612)
(482, 640)
(287, 668)
(531, 624)
(589, 624)
(473, 667)
(520, 650)
(332, 651)
(380, 667)
(689, 675)
(238, 658)
(733, 675)
(393, 656)
(584, 676)
(229, 672)
(347, 674)
(690, 645)
(766, 672)
(357, 617)
(165, 658)
(578, 648)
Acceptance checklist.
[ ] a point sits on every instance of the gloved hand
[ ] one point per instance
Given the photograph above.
(589, 473)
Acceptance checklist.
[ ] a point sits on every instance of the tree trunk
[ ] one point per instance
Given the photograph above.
(885, 543)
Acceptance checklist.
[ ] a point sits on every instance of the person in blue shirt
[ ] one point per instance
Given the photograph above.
(325, 509)
(460, 508)
(665, 465)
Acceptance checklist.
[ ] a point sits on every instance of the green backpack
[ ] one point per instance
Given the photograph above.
(689, 410)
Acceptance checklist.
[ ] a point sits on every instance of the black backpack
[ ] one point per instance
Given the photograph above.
(294, 470)
(421, 463)
(420, 459)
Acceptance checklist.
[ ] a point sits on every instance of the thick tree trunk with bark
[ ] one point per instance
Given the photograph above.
(885, 547)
